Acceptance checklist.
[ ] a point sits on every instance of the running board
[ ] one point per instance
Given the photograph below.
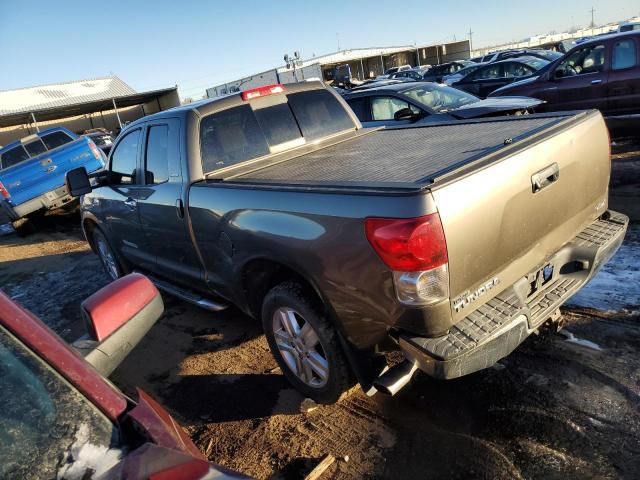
(187, 295)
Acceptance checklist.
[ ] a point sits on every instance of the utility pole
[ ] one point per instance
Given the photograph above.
(470, 41)
(593, 24)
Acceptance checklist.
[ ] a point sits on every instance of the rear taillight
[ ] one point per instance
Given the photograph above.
(4, 192)
(416, 251)
(95, 150)
(262, 91)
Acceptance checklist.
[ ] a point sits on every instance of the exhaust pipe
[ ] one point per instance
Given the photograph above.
(395, 378)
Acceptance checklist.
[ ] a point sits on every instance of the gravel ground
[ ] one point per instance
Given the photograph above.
(561, 406)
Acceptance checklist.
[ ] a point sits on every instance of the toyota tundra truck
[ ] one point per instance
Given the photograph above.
(448, 243)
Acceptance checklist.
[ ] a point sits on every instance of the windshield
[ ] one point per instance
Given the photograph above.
(43, 419)
(549, 55)
(440, 97)
(467, 70)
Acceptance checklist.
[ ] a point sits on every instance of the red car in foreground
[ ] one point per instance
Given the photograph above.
(61, 418)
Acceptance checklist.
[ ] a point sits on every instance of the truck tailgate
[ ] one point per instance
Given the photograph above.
(46, 172)
(502, 221)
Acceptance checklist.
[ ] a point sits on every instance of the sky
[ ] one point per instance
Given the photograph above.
(199, 44)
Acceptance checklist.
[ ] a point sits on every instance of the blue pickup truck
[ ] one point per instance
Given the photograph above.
(33, 169)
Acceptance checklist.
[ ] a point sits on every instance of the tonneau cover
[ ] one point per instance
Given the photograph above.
(402, 156)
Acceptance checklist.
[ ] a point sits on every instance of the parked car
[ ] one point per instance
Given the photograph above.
(488, 78)
(401, 68)
(548, 55)
(427, 102)
(460, 74)
(628, 27)
(102, 138)
(437, 72)
(602, 73)
(450, 243)
(32, 170)
(61, 418)
(412, 74)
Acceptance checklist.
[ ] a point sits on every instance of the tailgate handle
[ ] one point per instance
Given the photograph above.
(545, 177)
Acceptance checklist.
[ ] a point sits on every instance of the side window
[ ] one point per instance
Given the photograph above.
(360, 107)
(13, 157)
(487, 73)
(583, 61)
(56, 139)
(35, 148)
(624, 54)
(515, 69)
(124, 159)
(384, 108)
(157, 155)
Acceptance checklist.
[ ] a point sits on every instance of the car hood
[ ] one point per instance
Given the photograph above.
(494, 105)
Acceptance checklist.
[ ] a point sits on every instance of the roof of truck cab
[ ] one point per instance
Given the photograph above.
(39, 134)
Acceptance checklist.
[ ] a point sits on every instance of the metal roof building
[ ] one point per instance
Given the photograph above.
(79, 105)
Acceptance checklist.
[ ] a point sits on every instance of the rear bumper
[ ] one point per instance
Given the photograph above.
(49, 200)
(495, 329)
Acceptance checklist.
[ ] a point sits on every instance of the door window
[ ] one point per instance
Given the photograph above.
(42, 417)
(360, 107)
(515, 69)
(157, 155)
(124, 159)
(487, 73)
(583, 61)
(624, 54)
(384, 108)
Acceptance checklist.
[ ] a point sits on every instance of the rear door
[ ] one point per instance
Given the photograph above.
(161, 205)
(484, 80)
(580, 80)
(119, 200)
(623, 86)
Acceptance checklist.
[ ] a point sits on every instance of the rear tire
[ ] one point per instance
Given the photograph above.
(23, 227)
(305, 344)
(107, 256)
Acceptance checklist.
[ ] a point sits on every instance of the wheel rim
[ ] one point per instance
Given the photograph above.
(107, 258)
(300, 347)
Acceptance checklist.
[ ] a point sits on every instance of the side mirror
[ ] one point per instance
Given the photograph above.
(558, 73)
(118, 316)
(77, 182)
(405, 114)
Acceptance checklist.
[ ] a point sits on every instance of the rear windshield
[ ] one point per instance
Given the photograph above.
(35, 148)
(56, 139)
(13, 157)
(239, 134)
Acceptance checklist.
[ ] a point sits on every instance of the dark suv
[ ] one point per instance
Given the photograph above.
(602, 73)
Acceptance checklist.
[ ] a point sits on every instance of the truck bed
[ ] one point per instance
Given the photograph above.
(405, 157)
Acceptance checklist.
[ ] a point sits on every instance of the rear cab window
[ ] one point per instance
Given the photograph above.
(35, 148)
(624, 54)
(56, 139)
(269, 125)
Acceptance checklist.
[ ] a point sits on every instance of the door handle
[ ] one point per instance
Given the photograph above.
(131, 203)
(596, 82)
(545, 177)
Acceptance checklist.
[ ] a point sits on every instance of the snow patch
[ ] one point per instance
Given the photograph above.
(85, 460)
(571, 338)
(616, 286)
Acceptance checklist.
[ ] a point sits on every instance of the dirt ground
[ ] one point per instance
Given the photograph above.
(564, 405)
